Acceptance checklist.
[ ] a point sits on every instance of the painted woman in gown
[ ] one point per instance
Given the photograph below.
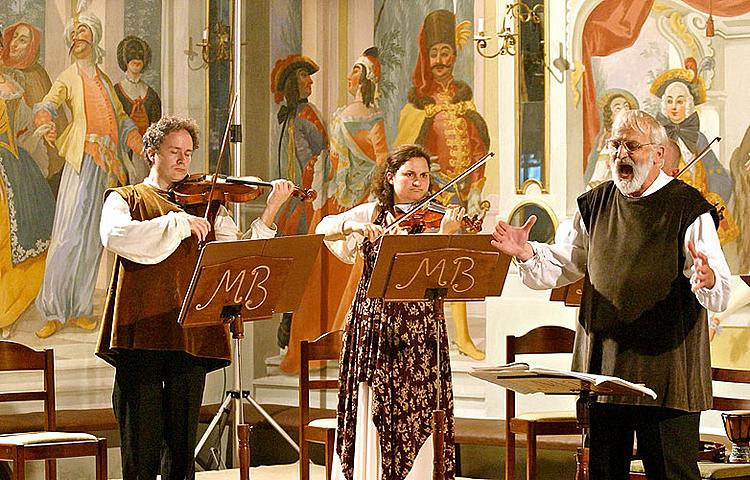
(358, 142)
(388, 365)
(358, 146)
(27, 204)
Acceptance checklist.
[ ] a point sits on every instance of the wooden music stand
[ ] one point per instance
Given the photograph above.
(524, 379)
(239, 281)
(438, 267)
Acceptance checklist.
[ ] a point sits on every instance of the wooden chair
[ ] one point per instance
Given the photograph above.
(323, 430)
(547, 339)
(48, 444)
(716, 470)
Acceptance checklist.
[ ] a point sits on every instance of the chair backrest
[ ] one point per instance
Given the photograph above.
(546, 339)
(16, 357)
(731, 376)
(325, 347)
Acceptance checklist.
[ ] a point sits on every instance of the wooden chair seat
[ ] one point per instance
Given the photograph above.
(49, 444)
(326, 423)
(33, 438)
(551, 416)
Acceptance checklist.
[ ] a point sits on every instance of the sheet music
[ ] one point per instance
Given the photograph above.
(524, 378)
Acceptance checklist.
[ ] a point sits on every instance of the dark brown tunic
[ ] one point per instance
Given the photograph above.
(392, 347)
(639, 319)
(143, 301)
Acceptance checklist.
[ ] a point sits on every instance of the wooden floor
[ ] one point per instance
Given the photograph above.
(275, 472)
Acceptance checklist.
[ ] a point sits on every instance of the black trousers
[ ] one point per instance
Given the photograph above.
(668, 442)
(157, 399)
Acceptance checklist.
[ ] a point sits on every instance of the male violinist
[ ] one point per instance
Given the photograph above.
(161, 367)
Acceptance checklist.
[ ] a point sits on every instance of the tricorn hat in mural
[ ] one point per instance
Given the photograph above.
(133, 48)
(688, 76)
(440, 27)
(284, 68)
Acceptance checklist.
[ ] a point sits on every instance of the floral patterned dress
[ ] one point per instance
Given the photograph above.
(392, 348)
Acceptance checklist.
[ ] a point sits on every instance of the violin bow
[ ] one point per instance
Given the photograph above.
(392, 227)
(221, 155)
(702, 154)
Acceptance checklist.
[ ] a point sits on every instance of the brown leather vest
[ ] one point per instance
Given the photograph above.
(143, 301)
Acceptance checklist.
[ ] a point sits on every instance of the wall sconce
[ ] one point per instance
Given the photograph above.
(507, 40)
(214, 47)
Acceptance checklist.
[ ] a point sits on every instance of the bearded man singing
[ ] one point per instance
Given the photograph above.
(646, 245)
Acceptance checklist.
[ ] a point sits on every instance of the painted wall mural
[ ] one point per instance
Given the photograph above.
(60, 146)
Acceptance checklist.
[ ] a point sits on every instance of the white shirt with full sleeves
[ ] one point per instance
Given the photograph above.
(149, 242)
(565, 261)
(332, 226)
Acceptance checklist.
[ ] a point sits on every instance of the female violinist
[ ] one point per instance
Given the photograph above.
(161, 367)
(388, 364)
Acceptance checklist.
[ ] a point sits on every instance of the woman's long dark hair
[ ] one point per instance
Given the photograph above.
(380, 188)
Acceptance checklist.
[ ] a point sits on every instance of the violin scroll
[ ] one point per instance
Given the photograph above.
(305, 194)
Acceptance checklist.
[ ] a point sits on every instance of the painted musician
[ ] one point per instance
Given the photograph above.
(647, 248)
(161, 367)
(388, 363)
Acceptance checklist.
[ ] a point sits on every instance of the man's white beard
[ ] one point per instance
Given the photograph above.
(640, 173)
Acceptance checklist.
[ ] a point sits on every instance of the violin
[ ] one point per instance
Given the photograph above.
(197, 189)
(431, 215)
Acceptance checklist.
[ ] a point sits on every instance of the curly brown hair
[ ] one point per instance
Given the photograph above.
(380, 188)
(156, 132)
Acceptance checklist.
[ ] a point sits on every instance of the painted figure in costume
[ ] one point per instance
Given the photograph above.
(358, 143)
(94, 146)
(681, 90)
(22, 43)
(612, 102)
(442, 117)
(21, 51)
(302, 151)
(303, 144)
(388, 366)
(26, 203)
(739, 165)
(358, 146)
(139, 100)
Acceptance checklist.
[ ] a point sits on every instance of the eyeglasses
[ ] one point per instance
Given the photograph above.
(630, 145)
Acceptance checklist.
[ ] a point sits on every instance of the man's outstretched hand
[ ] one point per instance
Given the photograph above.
(514, 241)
